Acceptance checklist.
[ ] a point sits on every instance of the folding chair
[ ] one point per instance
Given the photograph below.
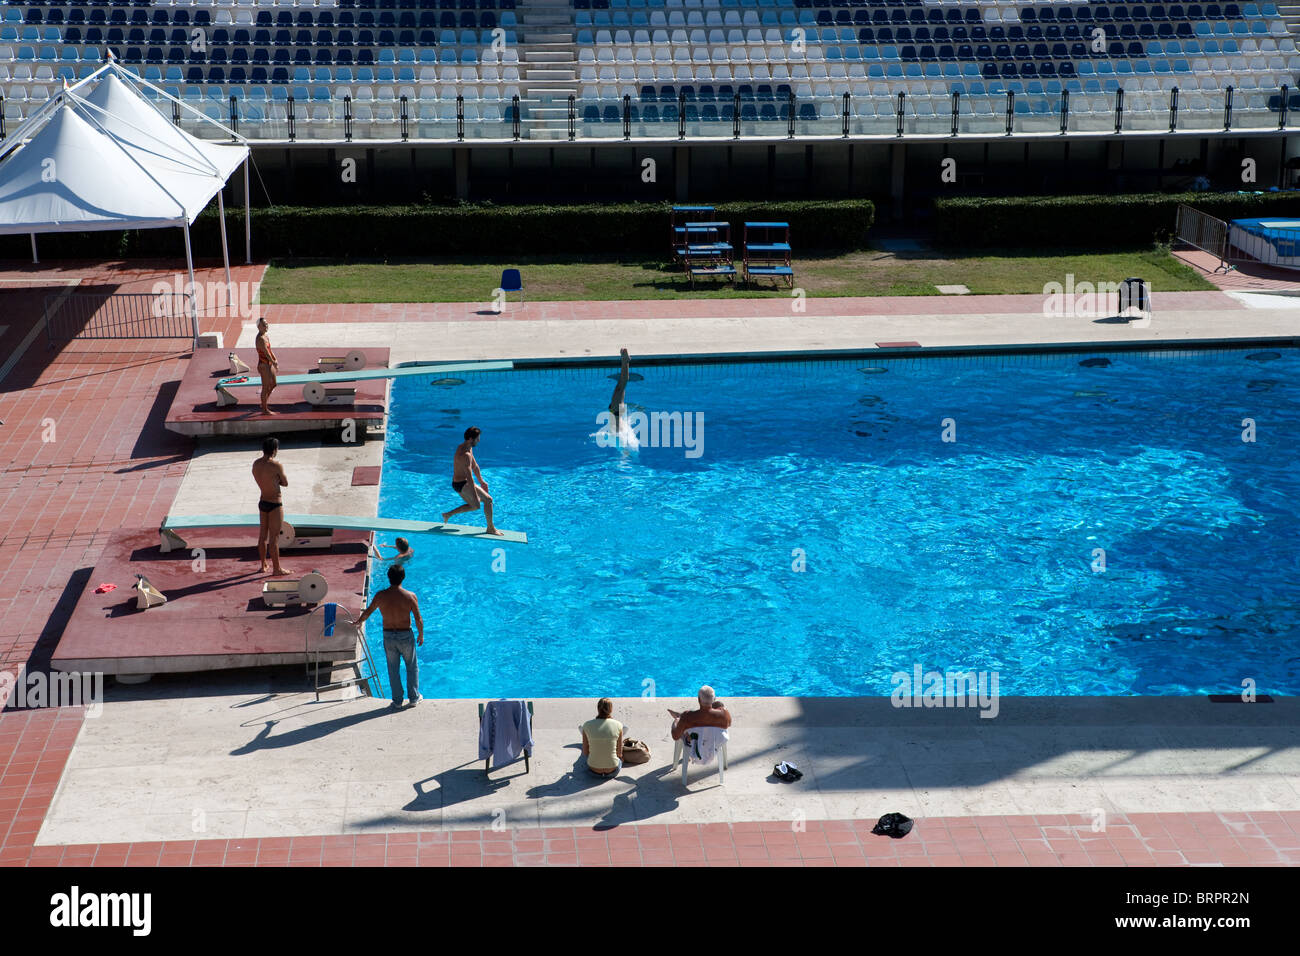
(528, 751)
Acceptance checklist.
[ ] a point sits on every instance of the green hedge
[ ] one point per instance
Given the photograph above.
(471, 230)
(1090, 221)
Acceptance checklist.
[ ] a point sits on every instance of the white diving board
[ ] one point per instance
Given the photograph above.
(315, 384)
(294, 525)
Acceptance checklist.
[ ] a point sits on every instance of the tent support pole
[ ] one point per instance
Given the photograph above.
(189, 265)
(225, 246)
(35, 259)
(248, 223)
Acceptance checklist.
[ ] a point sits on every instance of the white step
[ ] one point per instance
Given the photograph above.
(553, 75)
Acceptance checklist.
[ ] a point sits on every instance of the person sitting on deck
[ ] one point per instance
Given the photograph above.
(711, 714)
(403, 548)
(602, 741)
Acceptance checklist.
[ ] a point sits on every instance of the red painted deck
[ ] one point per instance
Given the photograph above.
(214, 617)
(194, 410)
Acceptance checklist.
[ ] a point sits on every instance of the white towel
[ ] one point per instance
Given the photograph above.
(703, 743)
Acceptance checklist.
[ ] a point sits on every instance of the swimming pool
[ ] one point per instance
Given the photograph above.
(826, 536)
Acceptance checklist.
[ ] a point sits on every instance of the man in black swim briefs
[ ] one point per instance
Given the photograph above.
(463, 471)
(269, 475)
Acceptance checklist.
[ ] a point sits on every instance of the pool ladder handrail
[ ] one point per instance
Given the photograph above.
(313, 658)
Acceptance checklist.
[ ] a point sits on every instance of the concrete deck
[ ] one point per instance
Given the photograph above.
(714, 327)
(256, 757)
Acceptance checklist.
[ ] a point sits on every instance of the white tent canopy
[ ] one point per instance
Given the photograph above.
(100, 156)
(109, 160)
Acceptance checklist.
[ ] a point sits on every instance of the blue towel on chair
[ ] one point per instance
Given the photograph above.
(506, 732)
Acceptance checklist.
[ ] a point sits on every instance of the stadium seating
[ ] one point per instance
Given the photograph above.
(339, 68)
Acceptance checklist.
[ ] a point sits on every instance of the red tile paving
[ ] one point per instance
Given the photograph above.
(106, 462)
(1242, 276)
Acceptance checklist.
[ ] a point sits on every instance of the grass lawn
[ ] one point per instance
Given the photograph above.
(869, 272)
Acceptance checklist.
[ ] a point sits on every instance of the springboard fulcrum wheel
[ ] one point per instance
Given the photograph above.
(355, 360)
(287, 534)
(314, 392)
(312, 588)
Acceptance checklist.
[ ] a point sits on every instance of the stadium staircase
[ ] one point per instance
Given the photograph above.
(548, 66)
(1290, 14)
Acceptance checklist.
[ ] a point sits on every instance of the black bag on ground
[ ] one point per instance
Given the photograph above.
(893, 825)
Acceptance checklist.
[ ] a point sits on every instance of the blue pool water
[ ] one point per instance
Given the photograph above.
(975, 554)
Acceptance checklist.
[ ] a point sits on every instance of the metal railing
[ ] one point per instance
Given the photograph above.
(1204, 232)
(120, 315)
(736, 114)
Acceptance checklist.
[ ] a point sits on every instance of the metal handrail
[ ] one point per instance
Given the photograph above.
(313, 658)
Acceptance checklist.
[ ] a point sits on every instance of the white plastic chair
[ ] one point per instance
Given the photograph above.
(718, 743)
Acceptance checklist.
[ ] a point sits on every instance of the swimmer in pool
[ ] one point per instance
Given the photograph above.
(463, 471)
(616, 401)
(403, 548)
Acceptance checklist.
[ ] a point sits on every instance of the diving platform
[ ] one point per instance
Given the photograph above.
(305, 530)
(194, 410)
(316, 386)
(215, 613)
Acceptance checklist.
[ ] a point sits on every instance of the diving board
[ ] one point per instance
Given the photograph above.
(294, 525)
(316, 388)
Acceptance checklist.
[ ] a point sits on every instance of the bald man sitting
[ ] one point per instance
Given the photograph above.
(710, 714)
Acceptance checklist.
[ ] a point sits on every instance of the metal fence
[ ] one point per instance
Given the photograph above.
(745, 112)
(122, 315)
(1202, 231)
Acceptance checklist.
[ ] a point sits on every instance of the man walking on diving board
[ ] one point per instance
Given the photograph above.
(463, 471)
(269, 475)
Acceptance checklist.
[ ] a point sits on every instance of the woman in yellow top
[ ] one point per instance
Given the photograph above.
(602, 741)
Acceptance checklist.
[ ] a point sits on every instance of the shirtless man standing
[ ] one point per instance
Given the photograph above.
(463, 471)
(269, 475)
(397, 606)
(267, 364)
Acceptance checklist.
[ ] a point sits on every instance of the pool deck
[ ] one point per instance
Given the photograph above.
(1177, 782)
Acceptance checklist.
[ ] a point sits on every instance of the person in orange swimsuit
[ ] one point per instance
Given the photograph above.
(267, 364)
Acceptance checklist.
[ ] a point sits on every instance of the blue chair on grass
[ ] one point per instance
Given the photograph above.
(511, 281)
